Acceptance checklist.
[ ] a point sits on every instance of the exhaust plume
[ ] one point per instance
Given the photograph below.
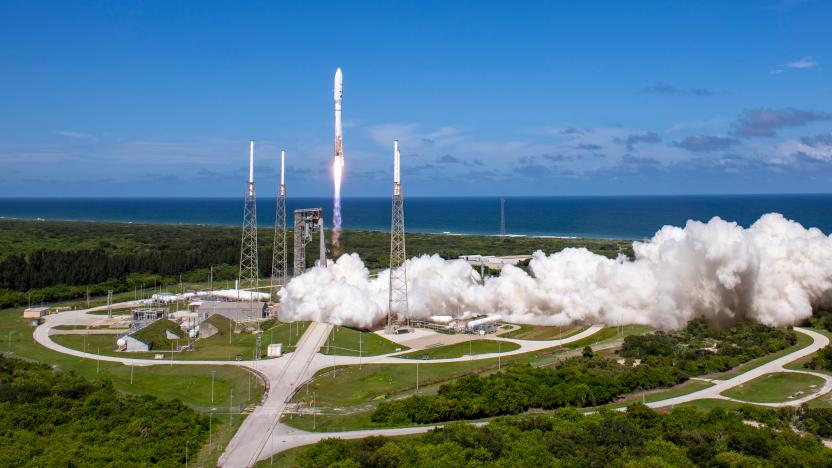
(773, 272)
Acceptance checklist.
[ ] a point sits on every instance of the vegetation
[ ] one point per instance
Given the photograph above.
(471, 347)
(155, 335)
(47, 261)
(346, 341)
(653, 361)
(701, 349)
(191, 384)
(50, 418)
(639, 437)
(822, 360)
(541, 332)
(779, 386)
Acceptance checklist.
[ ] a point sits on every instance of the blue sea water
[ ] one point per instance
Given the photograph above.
(622, 217)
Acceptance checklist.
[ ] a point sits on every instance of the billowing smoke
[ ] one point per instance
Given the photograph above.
(773, 272)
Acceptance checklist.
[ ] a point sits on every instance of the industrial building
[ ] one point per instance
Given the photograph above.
(468, 323)
(236, 311)
(35, 312)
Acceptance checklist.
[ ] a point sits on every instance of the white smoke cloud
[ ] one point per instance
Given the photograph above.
(772, 272)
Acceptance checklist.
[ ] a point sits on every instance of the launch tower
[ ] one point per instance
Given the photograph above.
(248, 278)
(307, 222)
(279, 273)
(397, 314)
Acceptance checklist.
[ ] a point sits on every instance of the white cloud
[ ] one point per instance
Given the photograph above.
(805, 62)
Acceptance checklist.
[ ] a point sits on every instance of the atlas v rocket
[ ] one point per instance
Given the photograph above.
(339, 94)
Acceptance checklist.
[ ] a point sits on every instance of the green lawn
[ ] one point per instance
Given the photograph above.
(708, 404)
(354, 385)
(776, 387)
(216, 347)
(346, 341)
(609, 334)
(191, 384)
(540, 332)
(685, 388)
(466, 348)
(802, 342)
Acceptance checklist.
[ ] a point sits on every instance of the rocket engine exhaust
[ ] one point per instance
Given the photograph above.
(337, 166)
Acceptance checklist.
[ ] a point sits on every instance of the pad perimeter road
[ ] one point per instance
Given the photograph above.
(262, 434)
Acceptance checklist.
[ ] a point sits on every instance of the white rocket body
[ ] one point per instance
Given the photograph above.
(338, 91)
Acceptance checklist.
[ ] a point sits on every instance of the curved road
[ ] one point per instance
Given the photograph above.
(262, 435)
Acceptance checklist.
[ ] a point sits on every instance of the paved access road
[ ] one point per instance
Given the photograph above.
(262, 435)
(819, 341)
(286, 437)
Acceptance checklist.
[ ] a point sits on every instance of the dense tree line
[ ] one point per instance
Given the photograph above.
(638, 438)
(822, 360)
(50, 418)
(666, 359)
(701, 348)
(58, 260)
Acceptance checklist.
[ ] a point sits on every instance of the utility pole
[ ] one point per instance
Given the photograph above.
(417, 376)
(499, 343)
(186, 453)
(212, 386)
(230, 405)
(110, 304)
(314, 411)
(131, 371)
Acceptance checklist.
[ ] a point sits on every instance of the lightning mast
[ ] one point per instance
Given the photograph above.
(397, 313)
(248, 277)
(279, 271)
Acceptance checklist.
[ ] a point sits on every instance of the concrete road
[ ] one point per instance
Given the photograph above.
(286, 437)
(819, 341)
(255, 431)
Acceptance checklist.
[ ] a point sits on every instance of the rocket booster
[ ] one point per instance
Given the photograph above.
(338, 96)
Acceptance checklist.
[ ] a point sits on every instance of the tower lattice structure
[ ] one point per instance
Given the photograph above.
(249, 267)
(279, 249)
(502, 217)
(397, 314)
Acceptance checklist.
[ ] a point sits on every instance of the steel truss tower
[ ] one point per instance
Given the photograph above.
(248, 245)
(502, 217)
(307, 222)
(279, 272)
(397, 314)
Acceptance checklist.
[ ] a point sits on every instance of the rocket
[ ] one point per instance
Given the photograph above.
(338, 95)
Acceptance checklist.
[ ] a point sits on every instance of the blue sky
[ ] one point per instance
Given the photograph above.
(487, 98)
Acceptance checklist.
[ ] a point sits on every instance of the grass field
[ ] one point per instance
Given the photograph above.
(466, 348)
(355, 385)
(802, 342)
(776, 387)
(191, 384)
(685, 388)
(708, 404)
(214, 348)
(346, 341)
(540, 332)
(609, 334)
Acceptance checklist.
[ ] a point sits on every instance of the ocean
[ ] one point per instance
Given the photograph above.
(614, 217)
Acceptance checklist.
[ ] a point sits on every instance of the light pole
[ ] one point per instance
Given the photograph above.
(314, 411)
(230, 404)
(10, 340)
(186, 453)
(417, 376)
(499, 343)
(212, 386)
